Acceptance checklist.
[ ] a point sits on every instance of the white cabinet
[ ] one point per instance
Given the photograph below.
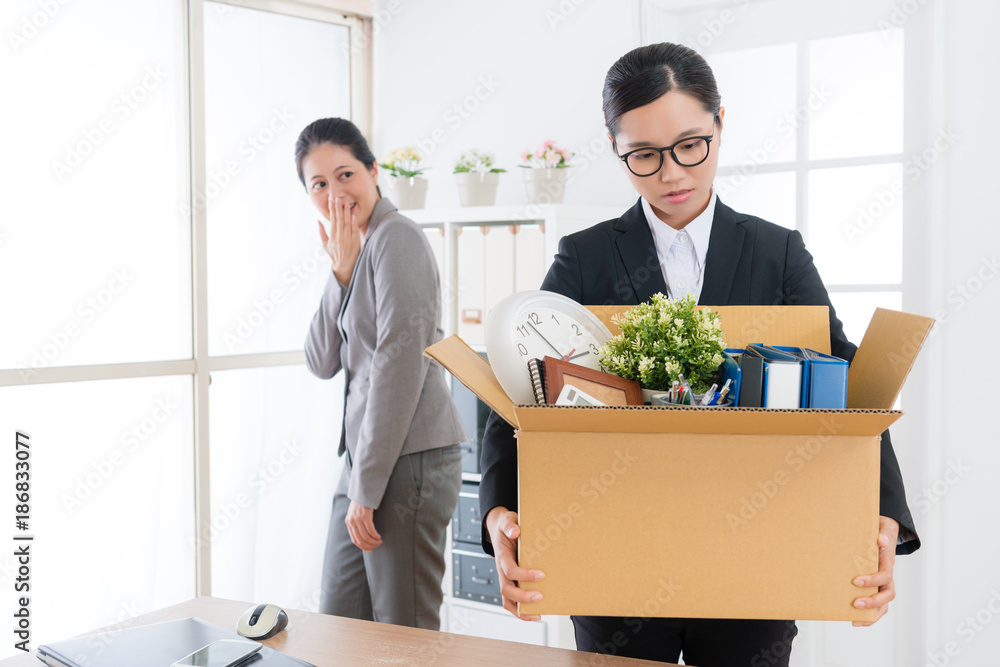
(488, 252)
(485, 254)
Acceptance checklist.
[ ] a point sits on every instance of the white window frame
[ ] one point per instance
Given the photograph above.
(356, 15)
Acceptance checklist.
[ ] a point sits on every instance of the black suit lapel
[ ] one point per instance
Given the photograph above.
(638, 254)
(725, 245)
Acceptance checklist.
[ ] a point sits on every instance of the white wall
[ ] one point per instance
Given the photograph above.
(431, 55)
(962, 532)
(545, 64)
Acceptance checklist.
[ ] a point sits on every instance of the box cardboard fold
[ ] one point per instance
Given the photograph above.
(707, 513)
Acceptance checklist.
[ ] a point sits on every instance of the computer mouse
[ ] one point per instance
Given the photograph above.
(262, 621)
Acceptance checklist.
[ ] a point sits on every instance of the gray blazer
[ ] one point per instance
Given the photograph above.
(376, 329)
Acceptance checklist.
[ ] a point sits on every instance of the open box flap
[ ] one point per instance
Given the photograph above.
(885, 357)
(796, 326)
(472, 370)
(733, 421)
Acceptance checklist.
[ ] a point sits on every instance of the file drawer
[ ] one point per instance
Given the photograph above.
(476, 577)
(466, 524)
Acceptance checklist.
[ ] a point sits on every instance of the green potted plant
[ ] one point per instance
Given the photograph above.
(404, 185)
(662, 339)
(477, 178)
(545, 173)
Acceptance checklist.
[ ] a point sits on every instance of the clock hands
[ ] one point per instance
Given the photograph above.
(575, 356)
(545, 339)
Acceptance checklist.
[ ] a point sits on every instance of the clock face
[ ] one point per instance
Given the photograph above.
(541, 331)
(537, 324)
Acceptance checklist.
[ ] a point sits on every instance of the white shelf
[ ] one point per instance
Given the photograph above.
(459, 614)
(505, 215)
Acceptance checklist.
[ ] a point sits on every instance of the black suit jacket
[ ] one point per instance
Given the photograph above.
(749, 262)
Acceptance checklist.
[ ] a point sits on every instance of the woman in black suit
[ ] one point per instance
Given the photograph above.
(664, 118)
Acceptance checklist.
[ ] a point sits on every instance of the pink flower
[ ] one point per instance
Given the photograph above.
(525, 155)
(549, 143)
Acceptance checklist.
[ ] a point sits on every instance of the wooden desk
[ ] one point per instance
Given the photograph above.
(330, 640)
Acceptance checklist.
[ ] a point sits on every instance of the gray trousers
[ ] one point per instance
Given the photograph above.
(399, 582)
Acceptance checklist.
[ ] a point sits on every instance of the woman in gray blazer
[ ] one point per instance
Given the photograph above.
(381, 307)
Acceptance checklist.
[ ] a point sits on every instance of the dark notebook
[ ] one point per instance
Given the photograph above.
(536, 370)
(155, 645)
(751, 381)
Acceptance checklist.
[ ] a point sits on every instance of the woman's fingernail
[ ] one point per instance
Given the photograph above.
(859, 582)
(860, 604)
(539, 575)
(536, 596)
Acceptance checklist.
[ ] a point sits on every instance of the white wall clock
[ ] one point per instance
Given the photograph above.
(537, 324)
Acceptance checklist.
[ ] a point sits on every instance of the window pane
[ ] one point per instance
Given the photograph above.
(112, 498)
(94, 258)
(768, 196)
(855, 309)
(266, 77)
(758, 129)
(856, 224)
(856, 85)
(274, 434)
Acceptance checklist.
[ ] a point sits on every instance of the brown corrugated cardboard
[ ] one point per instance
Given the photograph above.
(688, 512)
(885, 357)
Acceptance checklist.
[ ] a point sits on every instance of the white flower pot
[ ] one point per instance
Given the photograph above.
(477, 188)
(647, 394)
(545, 186)
(406, 193)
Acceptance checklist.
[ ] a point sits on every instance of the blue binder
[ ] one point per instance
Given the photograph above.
(783, 376)
(824, 378)
(731, 371)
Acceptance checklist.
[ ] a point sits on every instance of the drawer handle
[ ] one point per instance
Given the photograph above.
(482, 581)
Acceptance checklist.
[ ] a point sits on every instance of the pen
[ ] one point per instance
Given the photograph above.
(710, 394)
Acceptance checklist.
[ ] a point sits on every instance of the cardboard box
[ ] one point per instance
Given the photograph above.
(676, 511)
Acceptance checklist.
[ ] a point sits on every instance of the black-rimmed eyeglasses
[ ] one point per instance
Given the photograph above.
(689, 152)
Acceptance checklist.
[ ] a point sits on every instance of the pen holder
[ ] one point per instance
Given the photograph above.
(661, 399)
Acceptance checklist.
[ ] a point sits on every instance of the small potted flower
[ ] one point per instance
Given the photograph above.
(545, 173)
(404, 185)
(662, 339)
(477, 178)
